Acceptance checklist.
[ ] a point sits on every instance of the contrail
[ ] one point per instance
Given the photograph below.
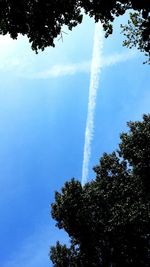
(94, 83)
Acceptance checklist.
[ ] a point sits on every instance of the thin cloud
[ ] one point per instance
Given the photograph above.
(13, 59)
(60, 70)
(98, 62)
(96, 67)
(34, 250)
(12, 55)
(63, 70)
(117, 58)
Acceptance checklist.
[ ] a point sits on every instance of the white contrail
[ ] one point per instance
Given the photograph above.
(94, 83)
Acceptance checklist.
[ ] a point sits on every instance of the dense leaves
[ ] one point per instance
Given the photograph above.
(108, 219)
(42, 21)
(135, 147)
(137, 32)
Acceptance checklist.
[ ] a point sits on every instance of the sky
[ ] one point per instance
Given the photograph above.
(45, 103)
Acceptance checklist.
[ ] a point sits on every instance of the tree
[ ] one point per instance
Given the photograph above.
(42, 21)
(137, 33)
(108, 219)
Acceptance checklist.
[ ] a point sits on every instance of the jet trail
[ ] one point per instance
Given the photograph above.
(94, 84)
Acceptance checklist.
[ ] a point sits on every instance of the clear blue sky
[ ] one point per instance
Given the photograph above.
(43, 111)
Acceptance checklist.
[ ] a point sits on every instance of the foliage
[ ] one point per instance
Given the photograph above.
(108, 219)
(137, 32)
(42, 21)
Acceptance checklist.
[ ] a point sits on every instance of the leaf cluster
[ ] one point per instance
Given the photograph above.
(42, 21)
(108, 219)
(137, 32)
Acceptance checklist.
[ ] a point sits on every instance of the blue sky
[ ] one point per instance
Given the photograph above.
(43, 112)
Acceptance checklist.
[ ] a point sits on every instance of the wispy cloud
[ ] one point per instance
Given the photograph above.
(98, 62)
(34, 250)
(13, 59)
(96, 67)
(81, 67)
(12, 56)
(117, 58)
(63, 70)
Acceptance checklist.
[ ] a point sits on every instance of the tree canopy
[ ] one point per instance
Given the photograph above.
(108, 219)
(42, 21)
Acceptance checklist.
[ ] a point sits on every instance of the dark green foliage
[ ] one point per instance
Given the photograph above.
(137, 32)
(64, 257)
(42, 20)
(108, 219)
(135, 147)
